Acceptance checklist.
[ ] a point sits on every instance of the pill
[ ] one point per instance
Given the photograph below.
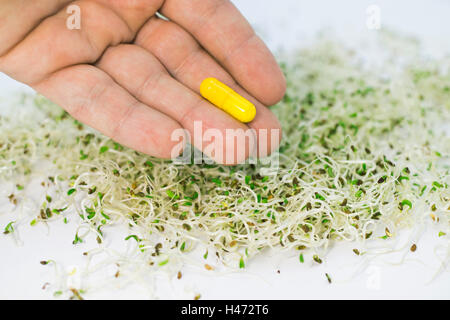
(228, 100)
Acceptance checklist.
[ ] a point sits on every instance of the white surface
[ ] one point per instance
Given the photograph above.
(282, 23)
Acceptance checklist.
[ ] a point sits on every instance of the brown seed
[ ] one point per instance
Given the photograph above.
(305, 228)
(76, 295)
(381, 180)
(117, 274)
(233, 243)
(317, 259)
(12, 198)
(179, 275)
(388, 233)
(413, 248)
(197, 297)
(356, 251)
(208, 267)
(434, 217)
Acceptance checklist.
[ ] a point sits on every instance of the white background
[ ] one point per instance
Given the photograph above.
(283, 24)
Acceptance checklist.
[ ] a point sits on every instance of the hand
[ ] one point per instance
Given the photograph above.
(136, 77)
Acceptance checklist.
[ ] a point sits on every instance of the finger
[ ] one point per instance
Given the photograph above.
(190, 64)
(52, 46)
(92, 97)
(19, 17)
(143, 76)
(225, 34)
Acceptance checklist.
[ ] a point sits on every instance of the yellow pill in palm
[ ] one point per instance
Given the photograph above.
(228, 100)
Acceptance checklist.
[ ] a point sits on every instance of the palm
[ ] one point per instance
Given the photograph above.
(135, 77)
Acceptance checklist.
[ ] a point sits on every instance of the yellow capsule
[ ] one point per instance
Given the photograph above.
(228, 100)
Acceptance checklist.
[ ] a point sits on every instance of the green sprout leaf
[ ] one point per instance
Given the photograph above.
(9, 228)
(172, 195)
(163, 263)
(406, 202)
(103, 149)
(241, 263)
(77, 239)
(135, 237)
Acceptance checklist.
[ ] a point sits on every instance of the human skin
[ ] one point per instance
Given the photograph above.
(136, 77)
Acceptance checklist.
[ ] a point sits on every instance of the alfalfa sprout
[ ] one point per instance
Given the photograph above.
(364, 155)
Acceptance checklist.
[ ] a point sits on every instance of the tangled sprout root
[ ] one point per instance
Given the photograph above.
(364, 153)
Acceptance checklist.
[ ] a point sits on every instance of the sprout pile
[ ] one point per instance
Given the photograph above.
(364, 155)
